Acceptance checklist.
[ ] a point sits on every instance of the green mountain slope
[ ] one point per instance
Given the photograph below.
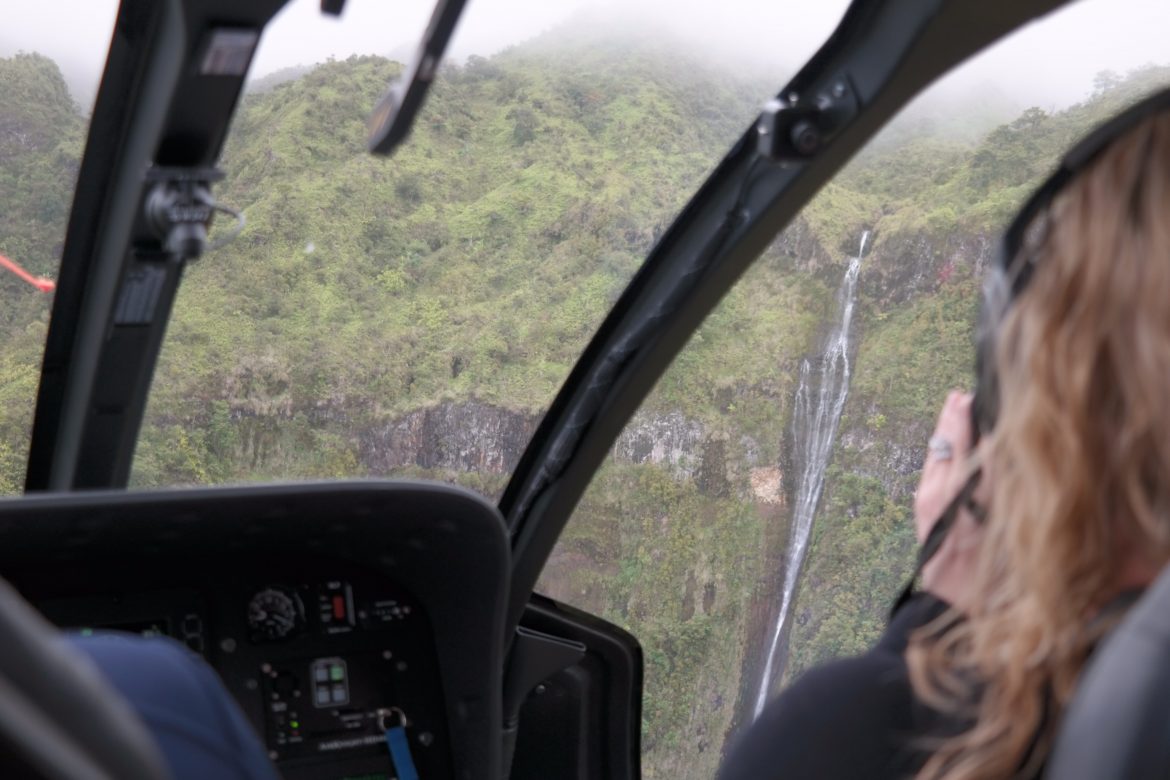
(40, 141)
(475, 264)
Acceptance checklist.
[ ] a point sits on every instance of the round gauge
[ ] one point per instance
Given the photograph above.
(272, 614)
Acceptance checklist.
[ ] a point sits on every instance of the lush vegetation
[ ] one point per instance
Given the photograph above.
(40, 136)
(461, 278)
(474, 265)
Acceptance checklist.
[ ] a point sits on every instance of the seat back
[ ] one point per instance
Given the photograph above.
(1118, 725)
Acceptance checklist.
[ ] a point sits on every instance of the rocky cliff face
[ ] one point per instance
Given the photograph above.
(669, 440)
(925, 277)
(907, 266)
(718, 465)
(469, 436)
(800, 247)
(485, 439)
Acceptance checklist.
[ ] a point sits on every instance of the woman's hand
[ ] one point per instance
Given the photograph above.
(948, 574)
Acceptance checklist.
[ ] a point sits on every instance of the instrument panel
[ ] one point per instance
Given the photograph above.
(331, 612)
(320, 667)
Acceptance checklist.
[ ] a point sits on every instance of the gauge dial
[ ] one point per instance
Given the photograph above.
(272, 614)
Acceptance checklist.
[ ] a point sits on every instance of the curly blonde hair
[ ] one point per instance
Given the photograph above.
(1080, 465)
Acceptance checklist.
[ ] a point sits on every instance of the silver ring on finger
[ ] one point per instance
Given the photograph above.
(940, 448)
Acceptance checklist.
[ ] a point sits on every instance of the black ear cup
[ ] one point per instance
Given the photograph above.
(1016, 261)
(997, 297)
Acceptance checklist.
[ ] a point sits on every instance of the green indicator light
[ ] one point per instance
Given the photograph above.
(296, 724)
(336, 673)
(87, 632)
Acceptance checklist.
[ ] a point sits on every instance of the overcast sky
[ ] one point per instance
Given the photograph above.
(1050, 64)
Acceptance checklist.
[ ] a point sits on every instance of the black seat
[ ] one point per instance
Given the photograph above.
(1118, 725)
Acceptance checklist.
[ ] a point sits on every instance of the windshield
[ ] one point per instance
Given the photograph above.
(414, 316)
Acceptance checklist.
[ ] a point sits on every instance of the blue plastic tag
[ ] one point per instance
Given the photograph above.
(400, 753)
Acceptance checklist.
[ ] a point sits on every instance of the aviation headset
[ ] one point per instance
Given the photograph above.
(1009, 276)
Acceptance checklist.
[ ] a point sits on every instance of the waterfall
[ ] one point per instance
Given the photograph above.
(814, 425)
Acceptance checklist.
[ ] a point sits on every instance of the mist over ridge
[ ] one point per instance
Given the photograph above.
(1050, 64)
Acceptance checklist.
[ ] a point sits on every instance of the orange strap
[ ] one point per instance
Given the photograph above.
(39, 282)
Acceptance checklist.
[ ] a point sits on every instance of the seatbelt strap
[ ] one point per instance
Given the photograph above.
(398, 743)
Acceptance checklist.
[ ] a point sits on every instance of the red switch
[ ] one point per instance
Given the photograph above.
(339, 607)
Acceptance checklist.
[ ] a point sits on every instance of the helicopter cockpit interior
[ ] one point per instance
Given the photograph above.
(328, 607)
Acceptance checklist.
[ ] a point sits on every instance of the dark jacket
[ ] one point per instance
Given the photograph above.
(854, 718)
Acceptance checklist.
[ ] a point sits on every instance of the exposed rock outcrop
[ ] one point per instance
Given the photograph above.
(468, 436)
(670, 440)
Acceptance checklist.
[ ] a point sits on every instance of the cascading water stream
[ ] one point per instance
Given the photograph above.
(814, 426)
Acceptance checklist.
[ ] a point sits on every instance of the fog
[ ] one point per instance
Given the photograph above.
(1050, 64)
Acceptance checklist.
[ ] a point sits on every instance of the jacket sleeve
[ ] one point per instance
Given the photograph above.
(198, 727)
(848, 719)
(851, 718)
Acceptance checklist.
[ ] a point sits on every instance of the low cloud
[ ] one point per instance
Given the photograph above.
(1050, 64)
